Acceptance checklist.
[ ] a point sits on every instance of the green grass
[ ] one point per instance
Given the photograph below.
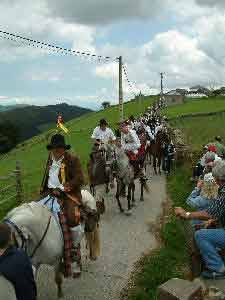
(196, 106)
(33, 155)
(171, 259)
(201, 130)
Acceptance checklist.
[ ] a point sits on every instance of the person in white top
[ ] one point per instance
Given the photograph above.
(102, 133)
(129, 139)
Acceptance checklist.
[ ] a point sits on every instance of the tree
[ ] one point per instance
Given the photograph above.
(105, 104)
(9, 136)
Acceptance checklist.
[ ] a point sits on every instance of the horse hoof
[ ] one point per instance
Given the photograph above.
(128, 212)
(60, 295)
(142, 199)
(122, 210)
(134, 204)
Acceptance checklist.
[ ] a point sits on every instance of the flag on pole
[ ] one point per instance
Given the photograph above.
(60, 123)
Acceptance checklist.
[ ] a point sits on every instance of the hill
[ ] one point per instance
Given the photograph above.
(32, 154)
(11, 107)
(32, 120)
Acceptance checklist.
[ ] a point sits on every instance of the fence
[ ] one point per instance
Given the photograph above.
(11, 189)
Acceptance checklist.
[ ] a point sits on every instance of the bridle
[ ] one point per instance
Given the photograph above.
(24, 239)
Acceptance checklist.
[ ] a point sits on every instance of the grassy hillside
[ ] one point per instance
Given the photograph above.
(201, 130)
(196, 106)
(33, 155)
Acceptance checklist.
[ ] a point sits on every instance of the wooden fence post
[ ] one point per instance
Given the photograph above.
(18, 183)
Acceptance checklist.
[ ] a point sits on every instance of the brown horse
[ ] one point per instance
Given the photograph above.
(156, 149)
(99, 167)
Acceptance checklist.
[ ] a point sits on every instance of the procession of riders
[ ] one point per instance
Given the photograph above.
(75, 208)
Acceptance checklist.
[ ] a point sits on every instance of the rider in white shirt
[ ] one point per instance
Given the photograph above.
(103, 133)
(129, 139)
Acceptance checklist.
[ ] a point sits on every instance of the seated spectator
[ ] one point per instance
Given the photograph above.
(220, 148)
(209, 159)
(210, 240)
(205, 192)
(199, 167)
(16, 267)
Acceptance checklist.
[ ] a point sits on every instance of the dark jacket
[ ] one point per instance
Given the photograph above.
(16, 267)
(73, 175)
(75, 178)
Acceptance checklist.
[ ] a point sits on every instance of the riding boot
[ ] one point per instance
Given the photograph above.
(77, 235)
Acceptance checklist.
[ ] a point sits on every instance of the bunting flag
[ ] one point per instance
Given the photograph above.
(60, 124)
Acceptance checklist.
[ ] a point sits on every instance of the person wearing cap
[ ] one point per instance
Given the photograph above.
(129, 142)
(102, 133)
(16, 267)
(63, 179)
(210, 240)
(217, 147)
(205, 192)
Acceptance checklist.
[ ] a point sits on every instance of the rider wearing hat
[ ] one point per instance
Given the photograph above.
(102, 133)
(63, 176)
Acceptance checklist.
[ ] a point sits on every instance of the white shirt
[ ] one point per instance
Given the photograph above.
(53, 180)
(149, 132)
(103, 135)
(130, 141)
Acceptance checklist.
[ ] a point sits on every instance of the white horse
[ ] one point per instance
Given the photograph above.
(7, 291)
(32, 219)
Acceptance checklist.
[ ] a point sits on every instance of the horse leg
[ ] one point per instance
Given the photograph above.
(154, 164)
(59, 280)
(159, 164)
(118, 195)
(133, 190)
(142, 189)
(129, 197)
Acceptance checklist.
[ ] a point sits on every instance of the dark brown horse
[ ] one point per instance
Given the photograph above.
(156, 149)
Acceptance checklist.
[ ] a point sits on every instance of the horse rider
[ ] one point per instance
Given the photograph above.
(130, 143)
(63, 179)
(16, 267)
(102, 134)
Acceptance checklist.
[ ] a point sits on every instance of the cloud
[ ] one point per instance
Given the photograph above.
(212, 3)
(105, 12)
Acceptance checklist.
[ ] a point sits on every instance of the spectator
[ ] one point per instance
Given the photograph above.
(16, 267)
(205, 192)
(210, 240)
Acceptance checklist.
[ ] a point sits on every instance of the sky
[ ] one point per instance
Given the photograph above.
(183, 39)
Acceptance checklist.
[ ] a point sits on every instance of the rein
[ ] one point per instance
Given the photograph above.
(24, 240)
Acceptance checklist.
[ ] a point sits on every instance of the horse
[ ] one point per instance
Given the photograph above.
(100, 170)
(125, 176)
(37, 231)
(7, 291)
(156, 149)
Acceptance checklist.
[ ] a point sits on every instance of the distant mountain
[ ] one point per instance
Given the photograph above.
(32, 120)
(11, 107)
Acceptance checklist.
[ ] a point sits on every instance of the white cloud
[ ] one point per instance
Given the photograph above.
(103, 12)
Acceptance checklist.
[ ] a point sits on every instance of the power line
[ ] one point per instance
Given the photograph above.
(130, 84)
(51, 47)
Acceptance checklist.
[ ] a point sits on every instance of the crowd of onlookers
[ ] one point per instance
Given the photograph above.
(207, 205)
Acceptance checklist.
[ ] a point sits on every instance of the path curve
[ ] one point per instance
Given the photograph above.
(124, 240)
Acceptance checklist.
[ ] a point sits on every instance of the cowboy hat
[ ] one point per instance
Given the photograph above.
(58, 141)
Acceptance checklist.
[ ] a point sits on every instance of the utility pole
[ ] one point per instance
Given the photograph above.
(161, 75)
(121, 88)
(140, 98)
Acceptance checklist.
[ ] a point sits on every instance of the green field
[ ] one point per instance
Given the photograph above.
(201, 130)
(196, 106)
(33, 155)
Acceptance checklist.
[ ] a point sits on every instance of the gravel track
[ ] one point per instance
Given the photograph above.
(124, 239)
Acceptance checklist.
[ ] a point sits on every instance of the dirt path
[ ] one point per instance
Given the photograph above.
(124, 240)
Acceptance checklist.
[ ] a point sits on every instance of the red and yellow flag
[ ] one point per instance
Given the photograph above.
(60, 124)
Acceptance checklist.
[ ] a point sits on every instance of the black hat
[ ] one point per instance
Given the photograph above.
(58, 141)
(218, 138)
(103, 122)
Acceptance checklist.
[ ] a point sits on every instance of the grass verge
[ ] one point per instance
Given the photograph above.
(170, 259)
